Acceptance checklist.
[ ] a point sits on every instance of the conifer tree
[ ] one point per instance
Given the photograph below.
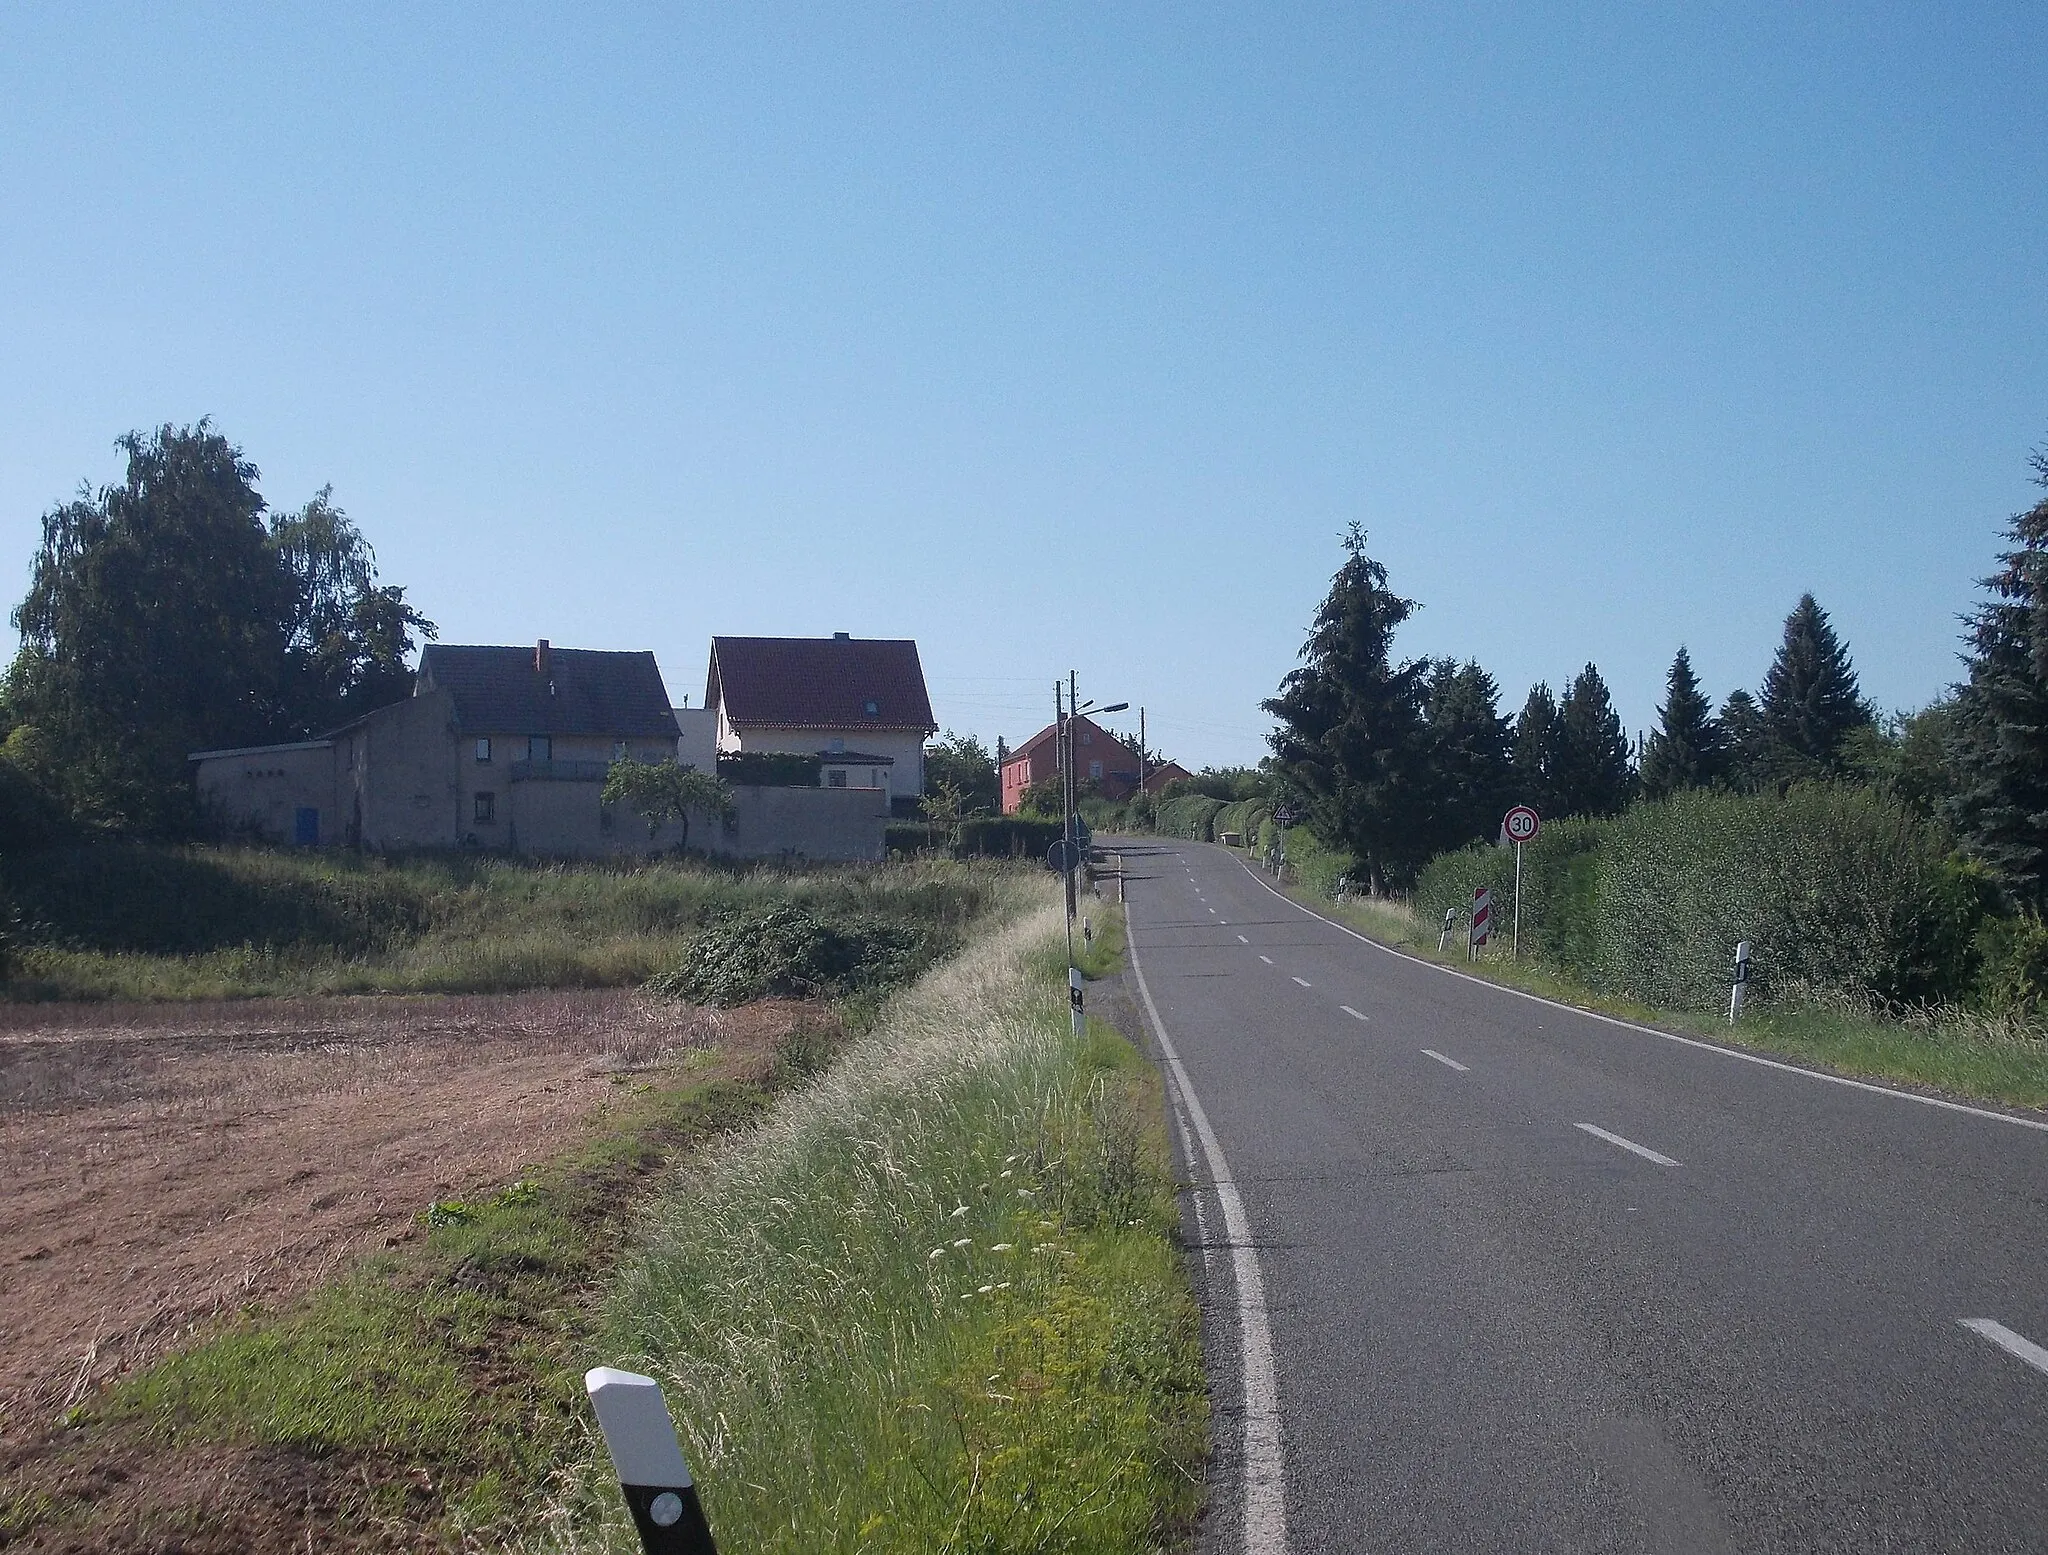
(1469, 744)
(1685, 751)
(1593, 775)
(1745, 744)
(1350, 743)
(1999, 744)
(1533, 763)
(1810, 699)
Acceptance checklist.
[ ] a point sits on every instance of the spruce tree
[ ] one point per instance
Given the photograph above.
(1810, 701)
(1685, 751)
(1533, 763)
(1350, 743)
(1746, 764)
(1593, 774)
(1999, 743)
(1468, 755)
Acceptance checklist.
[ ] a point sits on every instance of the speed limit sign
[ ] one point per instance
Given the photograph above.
(1521, 824)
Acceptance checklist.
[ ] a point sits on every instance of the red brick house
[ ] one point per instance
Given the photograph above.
(1166, 772)
(1099, 757)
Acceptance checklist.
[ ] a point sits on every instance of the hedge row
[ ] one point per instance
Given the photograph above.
(1192, 816)
(770, 769)
(1242, 816)
(1837, 889)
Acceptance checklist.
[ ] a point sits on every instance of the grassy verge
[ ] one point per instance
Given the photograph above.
(1951, 1051)
(934, 1303)
(142, 922)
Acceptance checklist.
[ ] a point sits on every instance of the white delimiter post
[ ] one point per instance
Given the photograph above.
(1074, 999)
(649, 1462)
(1741, 979)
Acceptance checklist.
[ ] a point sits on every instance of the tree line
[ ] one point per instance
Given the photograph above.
(174, 611)
(1399, 760)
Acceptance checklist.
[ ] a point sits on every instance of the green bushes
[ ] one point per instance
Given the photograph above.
(1839, 890)
(1192, 816)
(770, 769)
(1241, 816)
(909, 837)
(1007, 836)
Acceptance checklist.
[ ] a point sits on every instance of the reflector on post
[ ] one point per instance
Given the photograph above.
(649, 1462)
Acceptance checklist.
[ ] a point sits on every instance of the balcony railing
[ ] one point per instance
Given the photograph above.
(559, 771)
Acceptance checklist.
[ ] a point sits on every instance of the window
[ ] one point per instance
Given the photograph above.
(540, 747)
(874, 708)
(618, 750)
(486, 807)
(483, 748)
(836, 744)
(836, 778)
(1095, 769)
(1087, 737)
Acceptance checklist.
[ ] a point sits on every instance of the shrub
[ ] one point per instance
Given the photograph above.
(1190, 815)
(2013, 955)
(1839, 890)
(770, 769)
(789, 951)
(911, 837)
(1007, 836)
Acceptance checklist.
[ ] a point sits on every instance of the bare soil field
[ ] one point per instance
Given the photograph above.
(163, 1164)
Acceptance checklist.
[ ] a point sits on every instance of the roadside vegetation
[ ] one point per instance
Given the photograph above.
(933, 1303)
(156, 921)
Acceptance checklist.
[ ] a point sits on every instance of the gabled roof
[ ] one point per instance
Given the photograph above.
(580, 690)
(819, 683)
(1050, 733)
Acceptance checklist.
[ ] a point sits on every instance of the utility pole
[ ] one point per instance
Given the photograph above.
(1072, 834)
(1141, 750)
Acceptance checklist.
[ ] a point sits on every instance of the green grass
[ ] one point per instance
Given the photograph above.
(142, 922)
(1949, 1050)
(935, 1302)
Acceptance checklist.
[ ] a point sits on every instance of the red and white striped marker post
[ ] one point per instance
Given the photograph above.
(1482, 922)
(649, 1462)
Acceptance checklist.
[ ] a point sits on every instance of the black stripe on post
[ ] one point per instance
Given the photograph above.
(670, 1520)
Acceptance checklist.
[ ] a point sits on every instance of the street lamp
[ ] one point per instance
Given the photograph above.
(1065, 714)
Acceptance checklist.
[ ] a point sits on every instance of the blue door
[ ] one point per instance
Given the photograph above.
(306, 827)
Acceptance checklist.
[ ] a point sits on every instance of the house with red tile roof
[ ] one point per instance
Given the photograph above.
(1100, 757)
(857, 703)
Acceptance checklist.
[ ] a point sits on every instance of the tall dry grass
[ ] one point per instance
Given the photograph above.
(932, 1303)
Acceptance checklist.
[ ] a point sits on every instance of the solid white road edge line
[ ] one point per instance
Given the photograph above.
(1265, 1487)
(1452, 1063)
(1353, 1013)
(1627, 1144)
(1668, 1036)
(2008, 1341)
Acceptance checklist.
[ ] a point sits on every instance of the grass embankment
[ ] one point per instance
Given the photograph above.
(143, 922)
(934, 1302)
(1943, 1049)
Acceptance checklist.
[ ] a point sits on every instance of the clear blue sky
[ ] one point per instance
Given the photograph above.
(1065, 336)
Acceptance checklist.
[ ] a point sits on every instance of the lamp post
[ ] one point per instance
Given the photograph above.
(1068, 712)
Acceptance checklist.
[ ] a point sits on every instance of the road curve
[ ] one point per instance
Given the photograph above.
(1481, 1273)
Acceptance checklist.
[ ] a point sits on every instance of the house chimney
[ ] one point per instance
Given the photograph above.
(540, 657)
(841, 637)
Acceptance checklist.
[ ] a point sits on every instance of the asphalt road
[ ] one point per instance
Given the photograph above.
(1529, 1280)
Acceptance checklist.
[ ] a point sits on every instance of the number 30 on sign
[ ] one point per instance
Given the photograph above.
(1521, 824)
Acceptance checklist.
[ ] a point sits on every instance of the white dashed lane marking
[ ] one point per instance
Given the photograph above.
(1627, 1144)
(1353, 1013)
(1304, 982)
(1267, 959)
(2015, 1345)
(1242, 940)
(1448, 1063)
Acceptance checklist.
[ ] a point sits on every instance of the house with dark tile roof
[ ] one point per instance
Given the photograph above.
(508, 748)
(857, 703)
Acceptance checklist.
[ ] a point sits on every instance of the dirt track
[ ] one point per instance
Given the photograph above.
(162, 1164)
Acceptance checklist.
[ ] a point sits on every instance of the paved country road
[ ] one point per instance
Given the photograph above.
(1480, 1273)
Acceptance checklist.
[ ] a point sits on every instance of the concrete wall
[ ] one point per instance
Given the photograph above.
(258, 794)
(697, 740)
(798, 824)
(906, 776)
(400, 778)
